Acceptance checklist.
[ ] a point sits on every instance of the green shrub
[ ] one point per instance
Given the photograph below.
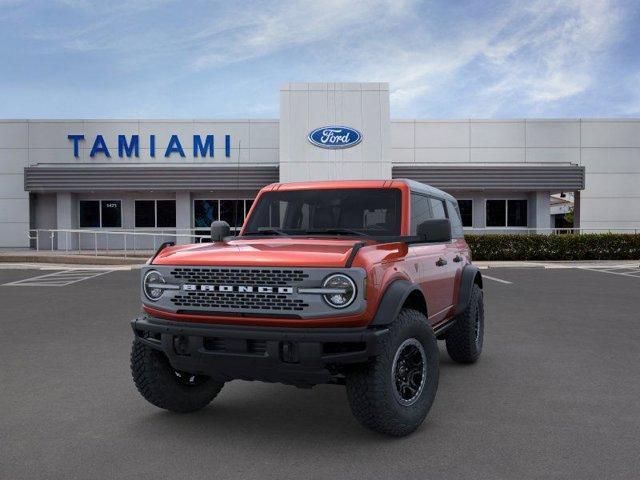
(586, 246)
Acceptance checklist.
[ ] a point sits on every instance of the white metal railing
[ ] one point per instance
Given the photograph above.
(550, 230)
(140, 241)
(122, 242)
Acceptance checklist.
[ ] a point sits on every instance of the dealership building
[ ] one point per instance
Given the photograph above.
(178, 175)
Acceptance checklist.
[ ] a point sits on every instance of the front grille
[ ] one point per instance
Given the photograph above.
(238, 301)
(239, 276)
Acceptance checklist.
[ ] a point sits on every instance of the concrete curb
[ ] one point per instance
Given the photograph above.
(70, 259)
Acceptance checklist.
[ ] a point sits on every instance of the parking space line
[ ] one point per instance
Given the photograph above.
(499, 280)
(623, 271)
(58, 279)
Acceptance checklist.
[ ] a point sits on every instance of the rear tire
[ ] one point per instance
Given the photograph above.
(393, 393)
(465, 338)
(165, 387)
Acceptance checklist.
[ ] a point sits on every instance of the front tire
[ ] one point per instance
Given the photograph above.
(465, 338)
(393, 393)
(165, 387)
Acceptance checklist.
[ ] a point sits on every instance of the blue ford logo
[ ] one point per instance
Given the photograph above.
(335, 136)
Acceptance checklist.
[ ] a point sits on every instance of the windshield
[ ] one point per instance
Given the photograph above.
(356, 211)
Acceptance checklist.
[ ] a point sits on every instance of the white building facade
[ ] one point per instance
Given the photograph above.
(178, 175)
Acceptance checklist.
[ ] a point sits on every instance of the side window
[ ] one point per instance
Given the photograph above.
(420, 211)
(454, 218)
(437, 207)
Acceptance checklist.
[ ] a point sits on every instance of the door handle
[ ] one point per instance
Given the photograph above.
(457, 258)
(441, 262)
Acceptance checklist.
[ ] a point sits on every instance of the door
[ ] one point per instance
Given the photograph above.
(436, 268)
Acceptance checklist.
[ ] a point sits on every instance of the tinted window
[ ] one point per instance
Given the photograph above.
(145, 213)
(166, 213)
(111, 213)
(420, 211)
(370, 211)
(204, 212)
(496, 213)
(437, 208)
(231, 211)
(466, 212)
(454, 218)
(89, 214)
(517, 213)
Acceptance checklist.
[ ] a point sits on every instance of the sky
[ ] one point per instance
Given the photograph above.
(204, 59)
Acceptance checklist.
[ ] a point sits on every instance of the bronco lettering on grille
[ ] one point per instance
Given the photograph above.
(237, 289)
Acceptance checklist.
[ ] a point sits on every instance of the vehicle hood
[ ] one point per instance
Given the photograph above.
(280, 252)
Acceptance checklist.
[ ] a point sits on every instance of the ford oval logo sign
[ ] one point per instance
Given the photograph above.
(335, 136)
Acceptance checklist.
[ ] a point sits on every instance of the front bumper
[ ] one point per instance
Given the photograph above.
(298, 356)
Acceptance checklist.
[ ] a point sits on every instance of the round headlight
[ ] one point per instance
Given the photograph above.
(343, 290)
(152, 285)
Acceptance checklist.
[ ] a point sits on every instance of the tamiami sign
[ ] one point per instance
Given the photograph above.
(129, 146)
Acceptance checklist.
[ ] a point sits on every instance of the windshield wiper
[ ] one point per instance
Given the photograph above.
(338, 231)
(268, 231)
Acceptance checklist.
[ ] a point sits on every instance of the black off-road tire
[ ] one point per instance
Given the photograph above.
(465, 338)
(371, 388)
(161, 385)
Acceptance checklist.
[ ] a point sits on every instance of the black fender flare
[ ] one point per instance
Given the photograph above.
(392, 301)
(470, 275)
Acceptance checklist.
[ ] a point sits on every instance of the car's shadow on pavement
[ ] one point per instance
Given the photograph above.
(264, 412)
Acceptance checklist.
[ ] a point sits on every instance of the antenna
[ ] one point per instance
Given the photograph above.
(235, 203)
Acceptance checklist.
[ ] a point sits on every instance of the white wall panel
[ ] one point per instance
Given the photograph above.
(12, 186)
(441, 134)
(619, 133)
(442, 155)
(613, 160)
(497, 134)
(13, 160)
(264, 134)
(13, 134)
(497, 155)
(53, 134)
(551, 133)
(14, 210)
(402, 134)
(14, 234)
(553, 155)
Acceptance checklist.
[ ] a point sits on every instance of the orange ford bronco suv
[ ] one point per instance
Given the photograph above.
(344, 282)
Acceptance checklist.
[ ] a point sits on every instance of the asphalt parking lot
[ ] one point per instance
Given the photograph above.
(555, 394)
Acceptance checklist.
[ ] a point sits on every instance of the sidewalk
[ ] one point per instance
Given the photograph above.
(72, 258)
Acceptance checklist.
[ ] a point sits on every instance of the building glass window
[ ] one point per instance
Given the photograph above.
(145, 213)
(89, 214)
(100, 213)
(155, 213)
(466, 212)
(517, 213)
(507, 213)
(496, 213)
(231, 211)
(420, 211)
(111, 212)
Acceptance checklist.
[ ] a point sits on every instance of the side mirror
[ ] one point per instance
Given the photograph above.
(219, 230)
(435, 230)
